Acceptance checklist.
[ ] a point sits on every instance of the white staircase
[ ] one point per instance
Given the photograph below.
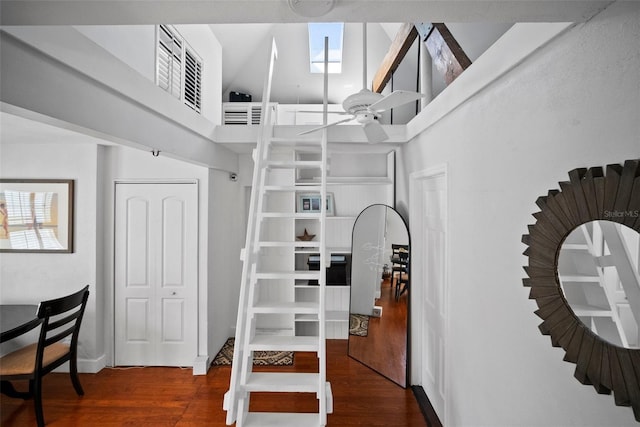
(267, 288)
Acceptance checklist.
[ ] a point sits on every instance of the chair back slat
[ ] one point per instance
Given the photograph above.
(63, 321)
(57, 306)
(60, 336)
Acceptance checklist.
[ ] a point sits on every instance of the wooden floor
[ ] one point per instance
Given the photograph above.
(174, 397)
(385, 347)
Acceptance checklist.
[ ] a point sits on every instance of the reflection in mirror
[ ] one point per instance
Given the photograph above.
(598, 272)
(380, 292)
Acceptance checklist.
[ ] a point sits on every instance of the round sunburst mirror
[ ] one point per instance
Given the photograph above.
(612, 198)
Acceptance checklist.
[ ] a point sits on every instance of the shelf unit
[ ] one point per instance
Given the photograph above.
(355, 183)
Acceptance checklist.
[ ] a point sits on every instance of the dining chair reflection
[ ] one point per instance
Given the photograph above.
(399, 269)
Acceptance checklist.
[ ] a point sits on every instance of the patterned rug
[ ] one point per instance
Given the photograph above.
(358, 325)
(261, 358)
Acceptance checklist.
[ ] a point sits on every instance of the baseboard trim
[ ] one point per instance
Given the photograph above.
(428, 412)
(86, 366)
(201, 365)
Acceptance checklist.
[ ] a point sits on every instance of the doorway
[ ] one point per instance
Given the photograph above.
(156, 273)
(428, 190)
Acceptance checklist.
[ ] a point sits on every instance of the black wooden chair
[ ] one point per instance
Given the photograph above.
(61, 319)
(399, 262)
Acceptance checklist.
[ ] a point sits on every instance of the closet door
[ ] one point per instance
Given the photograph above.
(429, 279)
(156, 253)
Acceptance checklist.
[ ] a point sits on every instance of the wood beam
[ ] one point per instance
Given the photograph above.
(448, 57)
(397, 51)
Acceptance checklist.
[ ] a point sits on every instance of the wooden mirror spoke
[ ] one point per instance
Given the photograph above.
(611, 194)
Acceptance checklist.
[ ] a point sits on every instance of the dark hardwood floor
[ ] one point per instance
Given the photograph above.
(174, 397)
(385, 347)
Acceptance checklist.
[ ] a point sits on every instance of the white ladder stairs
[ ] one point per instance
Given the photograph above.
(258, 273)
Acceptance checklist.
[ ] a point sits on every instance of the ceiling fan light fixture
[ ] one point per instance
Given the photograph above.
(360, 101)
(311, 8)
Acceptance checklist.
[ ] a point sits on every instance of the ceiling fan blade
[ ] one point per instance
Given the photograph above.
(395, 99)
(326, 126)
(375, 132)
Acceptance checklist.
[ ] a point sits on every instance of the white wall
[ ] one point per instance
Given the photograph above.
(135, 45)
(31, 278)
(226, 237)
(573, 103)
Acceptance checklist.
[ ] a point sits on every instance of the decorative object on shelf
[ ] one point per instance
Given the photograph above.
(36, 215)
(310, 203)
(589, 195)
(239, 97)
(306, 237)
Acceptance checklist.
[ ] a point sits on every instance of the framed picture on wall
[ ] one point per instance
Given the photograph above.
(310, 203)
(36, 215)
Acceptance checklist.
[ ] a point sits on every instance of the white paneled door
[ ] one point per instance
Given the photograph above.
(156, 253)
(428, 264)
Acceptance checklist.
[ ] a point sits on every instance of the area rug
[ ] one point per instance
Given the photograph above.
(260, 358)
(358, 325)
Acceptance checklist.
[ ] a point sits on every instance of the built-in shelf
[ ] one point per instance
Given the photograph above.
(354, 184)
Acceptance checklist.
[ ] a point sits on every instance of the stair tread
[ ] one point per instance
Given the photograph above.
(314, 144)
(287, 307)
(297, 243)
(284, 343)
(292, 215)
(281, 419)
(299, 274)
(292, 382)
(301, 187)
(286, 164)
(579, 278)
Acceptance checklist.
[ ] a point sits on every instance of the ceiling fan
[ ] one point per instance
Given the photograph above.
(367, 106)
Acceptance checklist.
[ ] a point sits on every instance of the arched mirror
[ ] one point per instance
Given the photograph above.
(380, 290)
(584, 253)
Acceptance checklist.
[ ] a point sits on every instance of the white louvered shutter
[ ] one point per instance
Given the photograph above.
(169, 61)
(192, 80)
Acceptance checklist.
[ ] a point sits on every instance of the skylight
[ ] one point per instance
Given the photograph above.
(317, 33)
